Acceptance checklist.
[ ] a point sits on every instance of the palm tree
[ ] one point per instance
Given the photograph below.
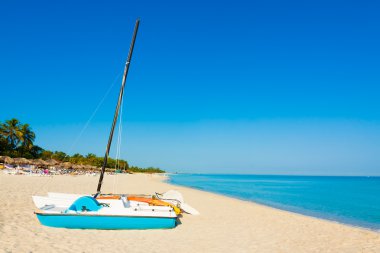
(27, 137)
(10, 130)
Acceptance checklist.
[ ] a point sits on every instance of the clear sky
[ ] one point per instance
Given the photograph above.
(269, 87)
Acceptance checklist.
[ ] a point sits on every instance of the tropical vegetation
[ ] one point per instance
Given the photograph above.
(17, 140)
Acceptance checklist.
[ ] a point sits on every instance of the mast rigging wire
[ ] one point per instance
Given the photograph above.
(94, 112)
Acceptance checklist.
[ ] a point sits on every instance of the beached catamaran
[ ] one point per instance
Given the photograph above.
(111, 211)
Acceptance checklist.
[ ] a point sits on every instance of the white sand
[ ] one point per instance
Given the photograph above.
(225, 224)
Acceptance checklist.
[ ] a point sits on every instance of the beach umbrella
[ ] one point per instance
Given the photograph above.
(3, 159)
(8, 160)
(77, 166)
(52, 162)
(89, 167)
(20, 160)
(67, 165)
(39, 162)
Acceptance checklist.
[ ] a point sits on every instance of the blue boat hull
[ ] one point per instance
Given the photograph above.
(105, 222)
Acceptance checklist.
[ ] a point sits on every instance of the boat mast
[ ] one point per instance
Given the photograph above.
(118, 106)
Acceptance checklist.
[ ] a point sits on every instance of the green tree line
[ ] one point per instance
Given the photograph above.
(17, 140)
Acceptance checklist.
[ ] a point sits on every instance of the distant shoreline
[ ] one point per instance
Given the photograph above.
(255, 174)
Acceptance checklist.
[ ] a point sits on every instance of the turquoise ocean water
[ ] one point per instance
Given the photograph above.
(350, 200)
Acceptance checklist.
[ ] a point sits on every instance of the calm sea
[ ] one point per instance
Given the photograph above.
(350, 200)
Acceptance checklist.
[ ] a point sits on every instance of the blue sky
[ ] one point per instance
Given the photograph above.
(269, 87)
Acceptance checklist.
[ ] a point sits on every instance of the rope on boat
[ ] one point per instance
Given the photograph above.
(94, 112)
(160, 197)
(118, 147)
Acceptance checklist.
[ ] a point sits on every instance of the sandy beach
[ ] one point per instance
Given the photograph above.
(225, 224)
